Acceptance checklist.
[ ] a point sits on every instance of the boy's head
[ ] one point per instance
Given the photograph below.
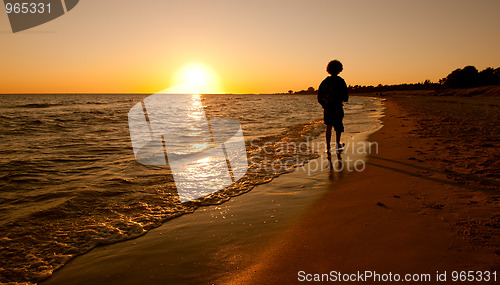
(334, 67)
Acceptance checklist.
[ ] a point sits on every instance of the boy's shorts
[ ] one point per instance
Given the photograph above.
(334, 117)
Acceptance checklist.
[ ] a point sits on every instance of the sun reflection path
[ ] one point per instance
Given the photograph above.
(204, 158)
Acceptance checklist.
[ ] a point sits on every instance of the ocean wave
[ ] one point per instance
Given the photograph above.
(38, 105)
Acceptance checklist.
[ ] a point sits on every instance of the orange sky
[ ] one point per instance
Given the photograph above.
(252, 46)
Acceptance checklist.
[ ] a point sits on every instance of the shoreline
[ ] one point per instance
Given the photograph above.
(202, 246)
(213, 240)
(392, 219)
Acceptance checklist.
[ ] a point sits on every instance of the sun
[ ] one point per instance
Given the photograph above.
(196, 78)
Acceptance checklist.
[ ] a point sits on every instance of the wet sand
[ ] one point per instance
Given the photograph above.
(403, 214)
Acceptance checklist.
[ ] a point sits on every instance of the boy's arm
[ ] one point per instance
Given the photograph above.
(345, 93)
(322, 95)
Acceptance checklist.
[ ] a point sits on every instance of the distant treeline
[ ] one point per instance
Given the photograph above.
(466, 77)
(469, 77)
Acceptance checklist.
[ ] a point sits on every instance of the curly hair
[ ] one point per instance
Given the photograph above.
(334, 67)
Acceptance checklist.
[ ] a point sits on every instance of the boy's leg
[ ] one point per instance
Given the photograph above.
(338, 146)
(339, 128)
(328, 137)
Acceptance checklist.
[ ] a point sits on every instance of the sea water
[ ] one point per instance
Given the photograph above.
(69, 180)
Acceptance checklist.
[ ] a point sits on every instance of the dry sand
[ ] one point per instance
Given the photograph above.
(403, 214)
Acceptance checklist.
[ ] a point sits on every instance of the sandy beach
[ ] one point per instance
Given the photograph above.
(408, 212)
(402, 215)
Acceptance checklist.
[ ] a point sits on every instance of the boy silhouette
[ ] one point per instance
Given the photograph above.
(332, 92)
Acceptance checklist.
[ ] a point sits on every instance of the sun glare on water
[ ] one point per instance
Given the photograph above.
(196, 78)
